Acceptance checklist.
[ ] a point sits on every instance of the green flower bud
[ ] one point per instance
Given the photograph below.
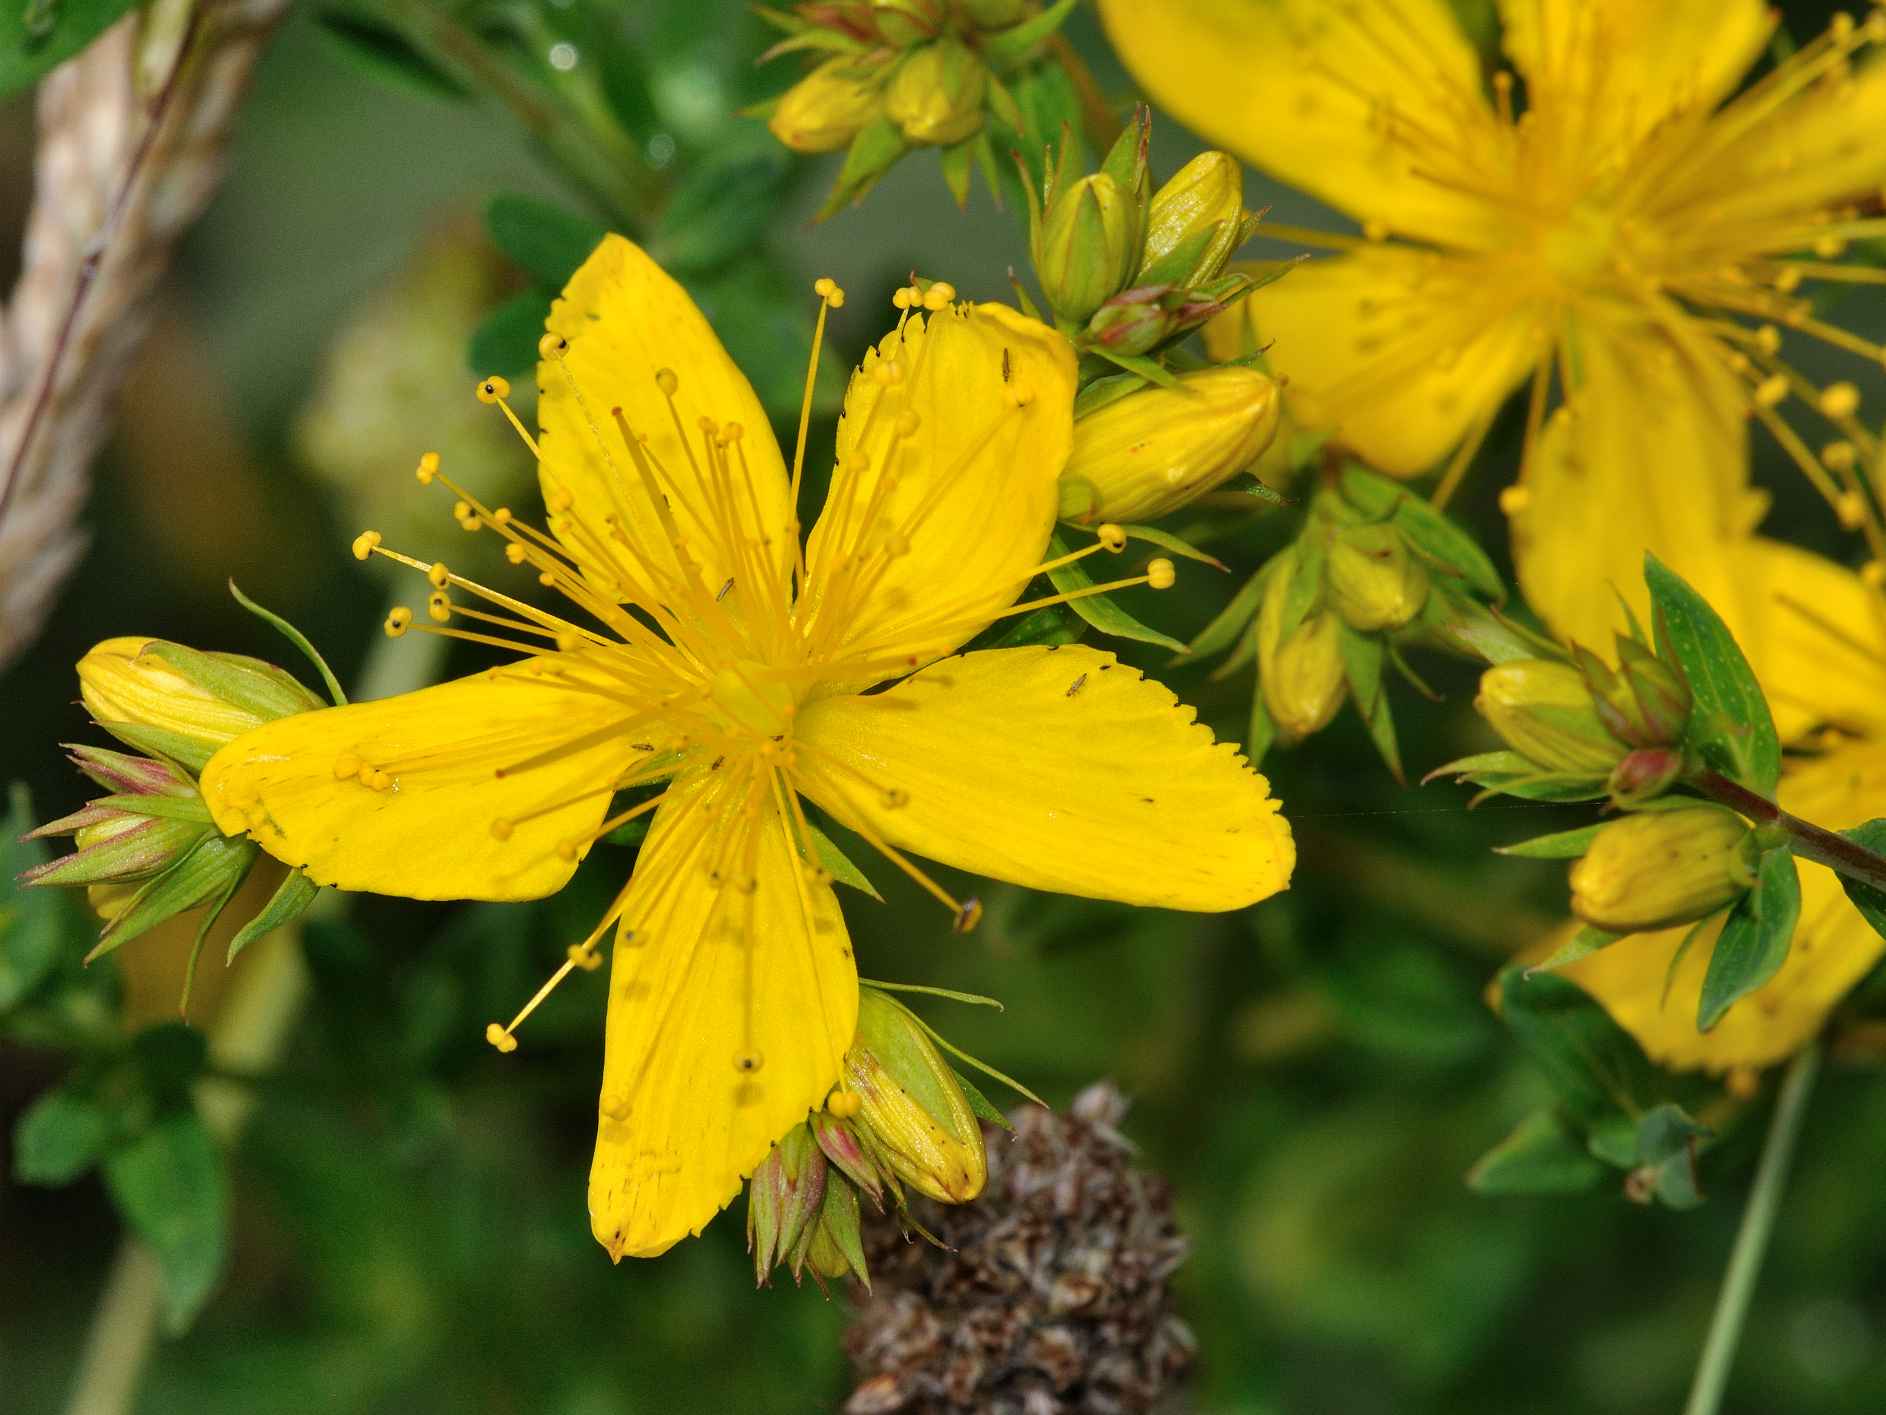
(833, 1247)
(181, 702)
(1153, 451)
(1302, 676)
(993, 14)
(903, 23)
(1084, 248)
(1660, 868)
(1375, 581)
(1196, 221)
(1646, 772)
(1543, 710)
(1659, 705)
(913, 1111)
(784, 1197)
(935, 97)
(1139, 320)
(828, 107)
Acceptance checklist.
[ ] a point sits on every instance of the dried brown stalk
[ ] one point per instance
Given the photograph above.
(131, 136)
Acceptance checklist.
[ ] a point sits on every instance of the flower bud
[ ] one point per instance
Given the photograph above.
(913, 1110)
(1646, 772)
(1302, 681)
(842, 1147)
(1374, 580)
(833, 1246)
(1543, 710)
(1659, 696)
(784, 1196)
(1085, 248)
(1139, 320)
(993, 14)
(935, 96)
(1151, 452)
(904, 23)
(1195, 222)
(1660, 868)
(827, 108)
(185, 703)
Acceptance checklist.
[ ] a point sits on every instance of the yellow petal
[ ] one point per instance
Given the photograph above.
(1325, 97)
(1651, 453)
(1833, 947)
(1398, 352)
(1059, 769)
(955, 431)
(626, 321)
(702, 978)
(1815, 636)
(301, 786)
(1609, 71)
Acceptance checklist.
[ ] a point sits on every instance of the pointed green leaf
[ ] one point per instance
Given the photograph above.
(1582, 944)
(980, 1104)
(1429, 530)
(209, 870)
(59, 1138)
(1233, 618)
(1754, 940)
(1562, 845)
(1869, 901)
(1730, 725)
(35, 924)
(1594, 1064)
(170, 1186)
(1100, 610)
(1541, 1157)
(291, 898)
(547, 242)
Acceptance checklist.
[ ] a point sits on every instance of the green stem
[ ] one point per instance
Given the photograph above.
(1809, 841)
(1751, 1240)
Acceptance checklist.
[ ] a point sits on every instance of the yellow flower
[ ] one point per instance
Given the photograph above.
(1818, 643)
(1632, 246)
(711, 654)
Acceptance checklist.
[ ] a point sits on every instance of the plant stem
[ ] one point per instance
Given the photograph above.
(1751, 1240)
(1809, 841)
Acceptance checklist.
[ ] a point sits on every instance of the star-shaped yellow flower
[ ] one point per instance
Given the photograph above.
(1633, 246)
(710, 652)
(1817, 641)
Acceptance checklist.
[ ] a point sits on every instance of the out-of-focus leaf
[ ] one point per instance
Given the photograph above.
(170, 1055)
(1542, 1156)
(1730, 725)
(1593, 1064)
(1754, 941)
(505, 341)
(170, 1186)
(1667, 1141)
(547, 242)
(38, 35)
(58, 1138)
(33, 922)
(722, 207)
(382, 54)
(1869, 901)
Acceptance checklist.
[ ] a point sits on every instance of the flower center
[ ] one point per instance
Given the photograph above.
(753, 701)
(1580, 247)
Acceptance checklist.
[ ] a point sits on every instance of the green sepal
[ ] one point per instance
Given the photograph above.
(180, 748)
(1541, 1157)
(1754, 940)
(1109, 388)
(137, 854)
(1004, 49)
(1147, 368)
(872, 153)
(1167, 541)
(958, 170)
(290, 900)
(1233, 619)
(980, 1104)
(1561, 845)
(1595, 1066)
(1667, 1143)
(838, 864)
(1869, 901)
(1262, 733)
(1362, 657)
(1505, 773)
(176, 808)
(297, 638)
(258, 688)
(214, 866)
(1587, 941)
(1101, 611)
(1730, 726)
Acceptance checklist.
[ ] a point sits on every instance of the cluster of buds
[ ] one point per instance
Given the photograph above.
(902, 74)
(1126, 270)
(902, 1120)
(148, 850)
(1375, 569)
(1585, 729)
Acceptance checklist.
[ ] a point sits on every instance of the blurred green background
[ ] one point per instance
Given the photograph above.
(1314, 1076)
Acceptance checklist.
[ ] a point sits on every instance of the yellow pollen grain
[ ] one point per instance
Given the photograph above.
(1160, 574)
(365, 543)
(939, 295)
(427, 469)
(375, 779)
(844, 1104)
(552, 346)
(438, 575)
(515, 553)
(829, 290)
(439, 607)
(346, 766)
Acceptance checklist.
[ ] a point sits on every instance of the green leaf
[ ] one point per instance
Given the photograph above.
(547, 242)
(1541, 1157)
(1100, 610)
(1754, 941)
(38, 35)
(1146, 367)
(59, 1138)
(1729, 726)
(505, 341)
(723, 206)
(174, 808)
(170, 1055)
(1051, 624)
(291, 898)
(839, 865)
(170, 1186)
(1594, 1064)
(1563, 845)
(872, 153)
(384, 55)
(35, 924)
(1869, 901)
(1110, 388)
(297, 638)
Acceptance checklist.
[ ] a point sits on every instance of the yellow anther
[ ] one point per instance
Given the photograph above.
(888, 372)
(1112, 537)
(567, 640)
(968, 915)
(1768, 339)
(1830, 247)
(500, 1038)
(666, 381)
(732, 432)
(1789, 280)
(1851, 508)
(585, 957)
(1160, 574)
(1840, 456)
(908, 422)
(501, 516)
(827, 289)
(901, 299)
(559, 500)
(398, 620)
(844, 1104)
(896, 544)
(490, 390)
(439, 606)
(1771, 391)
(748, 1061)
(501, 828)
(428, 468)
(515, 553)
(365, 544)
(1840, 400)
(439, 575)
(552, 346)
(375, 779)
(462, 513)
(939, 295)
(346, 766)
(1514, 499)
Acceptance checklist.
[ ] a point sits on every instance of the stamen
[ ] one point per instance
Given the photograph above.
(498, 390)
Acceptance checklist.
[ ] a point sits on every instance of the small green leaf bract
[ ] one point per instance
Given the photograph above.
(1730, 725)
(1869, 901)
(1100, 610)
(1541, 1157)
(546, 241)
(1754, 941)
